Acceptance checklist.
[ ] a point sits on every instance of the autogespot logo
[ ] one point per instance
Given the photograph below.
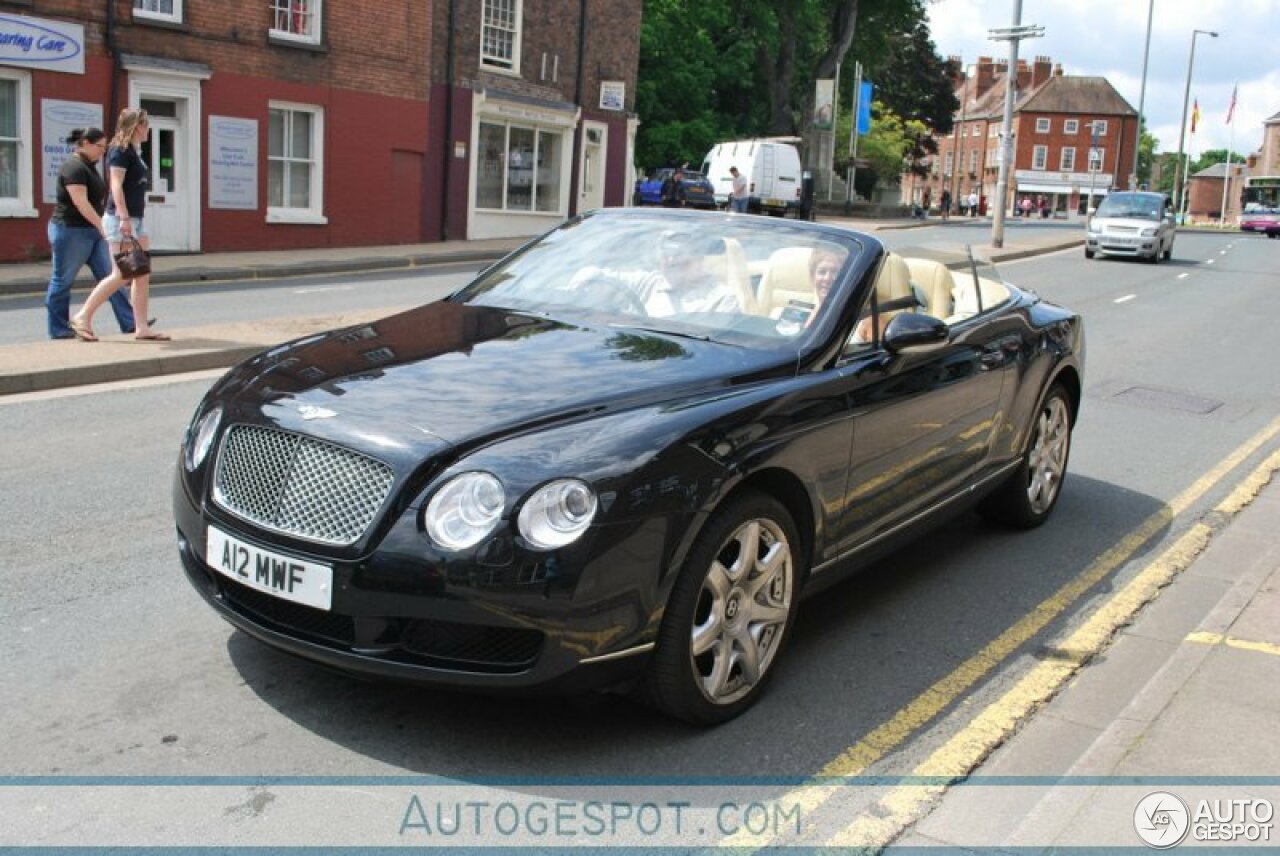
(1162, 820)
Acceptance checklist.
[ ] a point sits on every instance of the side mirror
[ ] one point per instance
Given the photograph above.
(909, 331)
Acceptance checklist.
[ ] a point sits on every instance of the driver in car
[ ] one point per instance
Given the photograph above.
(681, 282)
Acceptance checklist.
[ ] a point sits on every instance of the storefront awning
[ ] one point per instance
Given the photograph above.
(1029, 187)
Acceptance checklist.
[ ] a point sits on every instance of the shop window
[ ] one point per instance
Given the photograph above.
(158, 10)
(518, 168)
(1068, 163)
(1039, 157)
(296, 20)
(15, 144)
(1042, 125)
(1071, 126)
(500, 35)
(295, 163)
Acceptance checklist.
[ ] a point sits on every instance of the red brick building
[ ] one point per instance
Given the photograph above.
(282, 124)
(1053, 116)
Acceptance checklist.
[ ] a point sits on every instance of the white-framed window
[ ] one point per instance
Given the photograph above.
(500, 35)
(1042, 125)
(1097, 157)
(1100, 125)
(946, 163)
(158, 10)
(993, 130)
(976, 130)
(15, 144)
(1068, 162)
(1071, 126)
(1039, 157)
(296, 20)
(295, 163)
(518, 168)
(973, 161)
(964, 130)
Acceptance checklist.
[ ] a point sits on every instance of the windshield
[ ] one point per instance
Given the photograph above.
(1142, 206)
(747, 281)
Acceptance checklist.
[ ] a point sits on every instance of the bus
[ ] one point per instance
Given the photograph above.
(1261, 191)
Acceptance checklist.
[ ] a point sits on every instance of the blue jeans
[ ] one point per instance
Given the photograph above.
(739, 205)
(73, 246)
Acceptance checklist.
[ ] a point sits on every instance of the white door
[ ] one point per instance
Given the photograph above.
(595, 139)
(168, 214)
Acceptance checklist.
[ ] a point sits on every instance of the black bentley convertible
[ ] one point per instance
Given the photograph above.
(619, 456)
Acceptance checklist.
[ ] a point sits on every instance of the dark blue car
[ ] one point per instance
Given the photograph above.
(698, 191)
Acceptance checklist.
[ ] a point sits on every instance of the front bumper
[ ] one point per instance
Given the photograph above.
(475, 625)
(1118, 245)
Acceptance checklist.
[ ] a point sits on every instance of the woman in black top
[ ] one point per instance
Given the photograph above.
(124, 221)
(76, 235)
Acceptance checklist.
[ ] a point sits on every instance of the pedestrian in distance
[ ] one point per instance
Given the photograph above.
(973, 203)
(1044, 208)
(673, 195)
(945, 201)
(124, 222)
(739, 199)
(1026, 206)
(76, 234)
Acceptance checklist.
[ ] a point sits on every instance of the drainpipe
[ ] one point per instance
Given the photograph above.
(579, 132)
(114, 51)
(447, 148)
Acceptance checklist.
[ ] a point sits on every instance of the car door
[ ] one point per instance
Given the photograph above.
(923, 424)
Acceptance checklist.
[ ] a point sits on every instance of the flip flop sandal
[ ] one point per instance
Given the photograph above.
(153, 337)
(82, 331)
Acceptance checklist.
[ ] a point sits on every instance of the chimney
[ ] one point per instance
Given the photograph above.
(955, 71)
(1057, 70)
(985, 76)
(1041, 71)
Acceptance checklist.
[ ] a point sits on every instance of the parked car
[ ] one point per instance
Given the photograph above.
(1132, 223)
(1265, 220)
(579, 471)
(772, 169)
(698, 192)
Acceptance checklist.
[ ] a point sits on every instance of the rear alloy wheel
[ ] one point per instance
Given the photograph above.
(729, 613)
(1027, 498)
(1088, 253)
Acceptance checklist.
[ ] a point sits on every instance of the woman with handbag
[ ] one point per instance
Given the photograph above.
(76, 235)
(125, 230)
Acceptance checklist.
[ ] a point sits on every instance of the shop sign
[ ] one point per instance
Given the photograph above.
(41, 43)
(233, 163)
(57, 118)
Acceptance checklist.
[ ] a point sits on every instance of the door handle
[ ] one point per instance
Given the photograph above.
(155, 198)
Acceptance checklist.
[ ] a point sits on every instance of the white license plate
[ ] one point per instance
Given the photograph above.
(286, 577)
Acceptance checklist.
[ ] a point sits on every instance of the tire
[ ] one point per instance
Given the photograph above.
(1168, 254)
(729, 614)
(1088, 254)
(1027, 498)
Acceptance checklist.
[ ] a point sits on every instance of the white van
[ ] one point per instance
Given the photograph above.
(772, 168)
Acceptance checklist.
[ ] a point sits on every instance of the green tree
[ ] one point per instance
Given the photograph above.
(888, 146)
(1146, 156)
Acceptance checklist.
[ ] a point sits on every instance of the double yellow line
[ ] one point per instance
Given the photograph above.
(960, 754)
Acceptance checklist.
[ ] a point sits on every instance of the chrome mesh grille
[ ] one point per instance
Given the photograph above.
(298, 485)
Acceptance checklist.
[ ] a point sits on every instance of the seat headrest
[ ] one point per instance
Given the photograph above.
(894, 280)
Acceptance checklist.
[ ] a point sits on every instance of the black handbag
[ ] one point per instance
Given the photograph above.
(133, 260)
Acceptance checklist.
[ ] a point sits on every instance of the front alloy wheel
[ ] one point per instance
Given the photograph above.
(728, 614)
(1029, 494)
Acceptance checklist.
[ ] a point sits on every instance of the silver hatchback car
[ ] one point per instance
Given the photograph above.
(1132, 224)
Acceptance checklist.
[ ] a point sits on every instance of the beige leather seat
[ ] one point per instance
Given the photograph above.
(966, 297)
(736, 275)
(936, 284)
(893, 282)
(786, 278)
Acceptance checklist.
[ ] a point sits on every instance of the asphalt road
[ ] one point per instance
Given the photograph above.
(114, 667)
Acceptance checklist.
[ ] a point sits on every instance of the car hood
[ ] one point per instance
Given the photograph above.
(1125, 224)
(453, 373)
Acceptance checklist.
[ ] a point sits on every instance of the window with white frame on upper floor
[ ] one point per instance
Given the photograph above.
(1042, 125)
(1071, 126)
(1100, 127)
(964, 130)
(946, 163)
(993, 130)
(15, 144)
(500, 35)
(295, 163)
(158, 10)
(1068, 162)
(1039, 157)
(973, 161)
(296, 20)
(1097, 157)
(975, 130)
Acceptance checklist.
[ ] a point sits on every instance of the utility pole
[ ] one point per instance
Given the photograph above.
(1012, 35)
(1179, 173)
(1142, 97)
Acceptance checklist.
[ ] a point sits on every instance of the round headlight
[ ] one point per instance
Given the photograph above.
(464, 511)
(201, 439)
(556, 514)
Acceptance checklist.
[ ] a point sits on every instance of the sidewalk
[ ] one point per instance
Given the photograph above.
(50, 365)
(1185, 701)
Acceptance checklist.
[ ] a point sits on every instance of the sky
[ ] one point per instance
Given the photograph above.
(1106, 38)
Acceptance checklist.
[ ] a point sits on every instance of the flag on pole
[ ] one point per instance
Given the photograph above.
(1195, 115)
(1231, 108)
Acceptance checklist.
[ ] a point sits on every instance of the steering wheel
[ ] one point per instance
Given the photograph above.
(609, 294)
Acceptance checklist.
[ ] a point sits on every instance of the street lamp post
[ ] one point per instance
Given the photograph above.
(1142, 97)
(1179, 171)
(1012, 35)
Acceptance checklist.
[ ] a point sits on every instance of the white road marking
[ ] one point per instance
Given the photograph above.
(319, 289)
(1126, 298)
(1183, 275)
(1208, 261)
